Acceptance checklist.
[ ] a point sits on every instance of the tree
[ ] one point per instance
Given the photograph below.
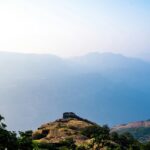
(8, 139)
(67, 144)
(25, 140)
(114, 136)
(99, 134)
(2, 125)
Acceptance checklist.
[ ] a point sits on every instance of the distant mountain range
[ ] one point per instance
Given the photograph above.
(106, 88)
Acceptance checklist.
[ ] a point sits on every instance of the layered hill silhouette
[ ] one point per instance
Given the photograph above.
(106, 88)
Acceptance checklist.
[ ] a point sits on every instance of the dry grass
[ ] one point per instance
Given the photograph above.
(62, 129)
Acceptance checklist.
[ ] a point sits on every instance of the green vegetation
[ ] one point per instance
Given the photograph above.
(102, 138)
(99, 137)
(8, 139)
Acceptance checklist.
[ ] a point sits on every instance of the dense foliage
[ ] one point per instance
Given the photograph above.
(100, 137)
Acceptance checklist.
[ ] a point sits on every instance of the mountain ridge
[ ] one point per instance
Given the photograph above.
(40, 85)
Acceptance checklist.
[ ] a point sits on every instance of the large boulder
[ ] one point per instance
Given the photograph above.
(67, 115)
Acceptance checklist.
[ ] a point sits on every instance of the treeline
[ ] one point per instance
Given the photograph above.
(10, 141)
(100, 137)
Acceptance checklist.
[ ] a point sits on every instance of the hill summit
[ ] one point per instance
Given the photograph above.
(69, 126)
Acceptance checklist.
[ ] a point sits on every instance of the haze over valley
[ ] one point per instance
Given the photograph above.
(106, 88)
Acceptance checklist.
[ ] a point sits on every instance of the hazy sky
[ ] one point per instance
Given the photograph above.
(75, 27)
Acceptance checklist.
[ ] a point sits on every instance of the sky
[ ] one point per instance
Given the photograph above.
(75, 27)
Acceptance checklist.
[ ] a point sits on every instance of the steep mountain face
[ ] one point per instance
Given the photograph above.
(106, 88)
(140, 130)
(70, 126)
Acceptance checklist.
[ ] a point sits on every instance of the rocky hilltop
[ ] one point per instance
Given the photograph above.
(140, 129)
(72, 132)
(69, 126)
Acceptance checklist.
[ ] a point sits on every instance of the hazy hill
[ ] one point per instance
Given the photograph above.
(140, 129)
(106, 88)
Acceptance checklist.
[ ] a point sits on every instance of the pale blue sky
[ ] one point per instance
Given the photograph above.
(75, 27)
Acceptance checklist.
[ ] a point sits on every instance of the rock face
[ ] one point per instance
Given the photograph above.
(70, 126)
(67, 115)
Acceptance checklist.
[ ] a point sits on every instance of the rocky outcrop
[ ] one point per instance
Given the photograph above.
(67, 115)
(70, 126)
